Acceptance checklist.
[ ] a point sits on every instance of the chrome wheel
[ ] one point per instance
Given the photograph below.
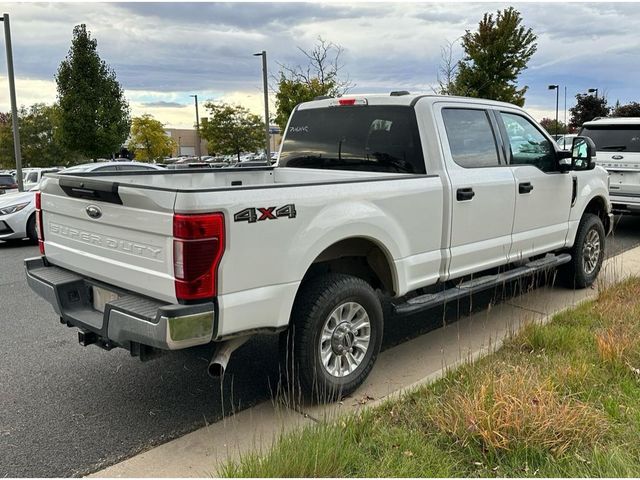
(591, 251)
(345, 338)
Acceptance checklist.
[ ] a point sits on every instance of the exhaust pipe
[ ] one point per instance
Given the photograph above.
(220, 359)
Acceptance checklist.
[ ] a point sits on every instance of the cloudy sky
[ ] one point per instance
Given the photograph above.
(163, 52)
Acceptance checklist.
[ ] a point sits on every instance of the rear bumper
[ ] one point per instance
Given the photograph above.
(622, 202)
(128, 321)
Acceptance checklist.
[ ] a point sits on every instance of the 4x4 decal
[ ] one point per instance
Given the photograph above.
(257, 214)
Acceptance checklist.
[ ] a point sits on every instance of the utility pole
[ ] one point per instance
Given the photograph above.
(557, 89)
(14, 107)
(198, 154)
(265, 85)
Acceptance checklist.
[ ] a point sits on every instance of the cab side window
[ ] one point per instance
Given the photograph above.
(471, 138)
(528, 145)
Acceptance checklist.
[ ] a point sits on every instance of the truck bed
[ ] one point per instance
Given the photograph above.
(131, 244)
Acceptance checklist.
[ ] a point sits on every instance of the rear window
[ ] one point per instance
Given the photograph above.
(363, 138)
(614, 138)
(7, 180)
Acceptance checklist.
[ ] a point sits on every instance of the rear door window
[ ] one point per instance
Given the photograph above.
(471, 138)
(364, 137)
(614, 138)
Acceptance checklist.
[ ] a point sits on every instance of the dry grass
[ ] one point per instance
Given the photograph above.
(518, 409)
(614, 343)
(618, 340)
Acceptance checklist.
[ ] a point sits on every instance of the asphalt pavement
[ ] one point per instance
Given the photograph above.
(67, 410)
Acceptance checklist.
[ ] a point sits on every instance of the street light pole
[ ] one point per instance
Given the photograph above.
(593, 90)
(263, 54)
(14, 107)
(557, 89)
(198, 154)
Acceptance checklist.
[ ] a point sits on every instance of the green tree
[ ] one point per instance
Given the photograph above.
(631, 109)
(321, 76)
(495, 55)
(94, 115)
(39, 137)
(148, 139)
(232, 129)
(587, 108)
(6, 141)
(549, 124)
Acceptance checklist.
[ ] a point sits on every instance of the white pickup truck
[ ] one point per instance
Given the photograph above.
(421, 198)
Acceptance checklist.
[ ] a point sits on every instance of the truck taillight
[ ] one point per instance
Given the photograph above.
(198, 247)
(39, 224)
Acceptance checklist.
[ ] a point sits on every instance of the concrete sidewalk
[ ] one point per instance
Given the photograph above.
(401, 368)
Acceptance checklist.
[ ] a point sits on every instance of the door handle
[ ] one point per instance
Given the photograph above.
(525, 187)
(463, 194)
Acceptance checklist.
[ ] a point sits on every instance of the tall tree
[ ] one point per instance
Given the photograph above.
(447, 71)
(495, 55)
(148, 139)
(232, 129)
(631, 109)
(320, 76)
(94, 115)
(587, 108)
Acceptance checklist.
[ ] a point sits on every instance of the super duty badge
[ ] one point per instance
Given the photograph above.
(256, 214)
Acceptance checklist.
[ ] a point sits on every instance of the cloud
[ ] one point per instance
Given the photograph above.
(163, 52)
(163, 104)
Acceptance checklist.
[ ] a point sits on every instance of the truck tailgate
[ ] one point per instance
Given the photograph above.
(118, 235)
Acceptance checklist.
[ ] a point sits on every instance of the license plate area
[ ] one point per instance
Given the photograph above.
(102, 296)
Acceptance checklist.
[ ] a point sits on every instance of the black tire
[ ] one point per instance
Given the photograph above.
(578, 273)
(32, 233)
(316, 302)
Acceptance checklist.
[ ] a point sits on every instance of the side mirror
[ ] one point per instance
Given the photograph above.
(583, 152)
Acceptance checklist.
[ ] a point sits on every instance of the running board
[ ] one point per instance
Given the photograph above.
(475, 285)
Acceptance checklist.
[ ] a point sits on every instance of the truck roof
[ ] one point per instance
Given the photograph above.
(613, 121)
(398, 98)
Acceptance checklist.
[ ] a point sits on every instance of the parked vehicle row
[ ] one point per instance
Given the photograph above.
(17, 209)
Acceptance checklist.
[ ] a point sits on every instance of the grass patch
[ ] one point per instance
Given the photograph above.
(558, 400)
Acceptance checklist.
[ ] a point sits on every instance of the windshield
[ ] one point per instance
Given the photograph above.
(614, 138)
(366, 138)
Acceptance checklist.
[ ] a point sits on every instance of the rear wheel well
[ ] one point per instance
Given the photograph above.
(359, 257)
(597, 206)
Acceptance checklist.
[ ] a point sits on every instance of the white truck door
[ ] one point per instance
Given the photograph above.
(482, 189)
(543, 194)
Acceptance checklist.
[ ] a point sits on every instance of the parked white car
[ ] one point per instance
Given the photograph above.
(17, 209)
(17, 216)
(424, 199)
(565, 141)
(111, 167)
(32, 176)
(618, 145)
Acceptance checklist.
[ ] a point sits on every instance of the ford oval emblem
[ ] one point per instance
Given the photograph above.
(617, 157)
(93, 211)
